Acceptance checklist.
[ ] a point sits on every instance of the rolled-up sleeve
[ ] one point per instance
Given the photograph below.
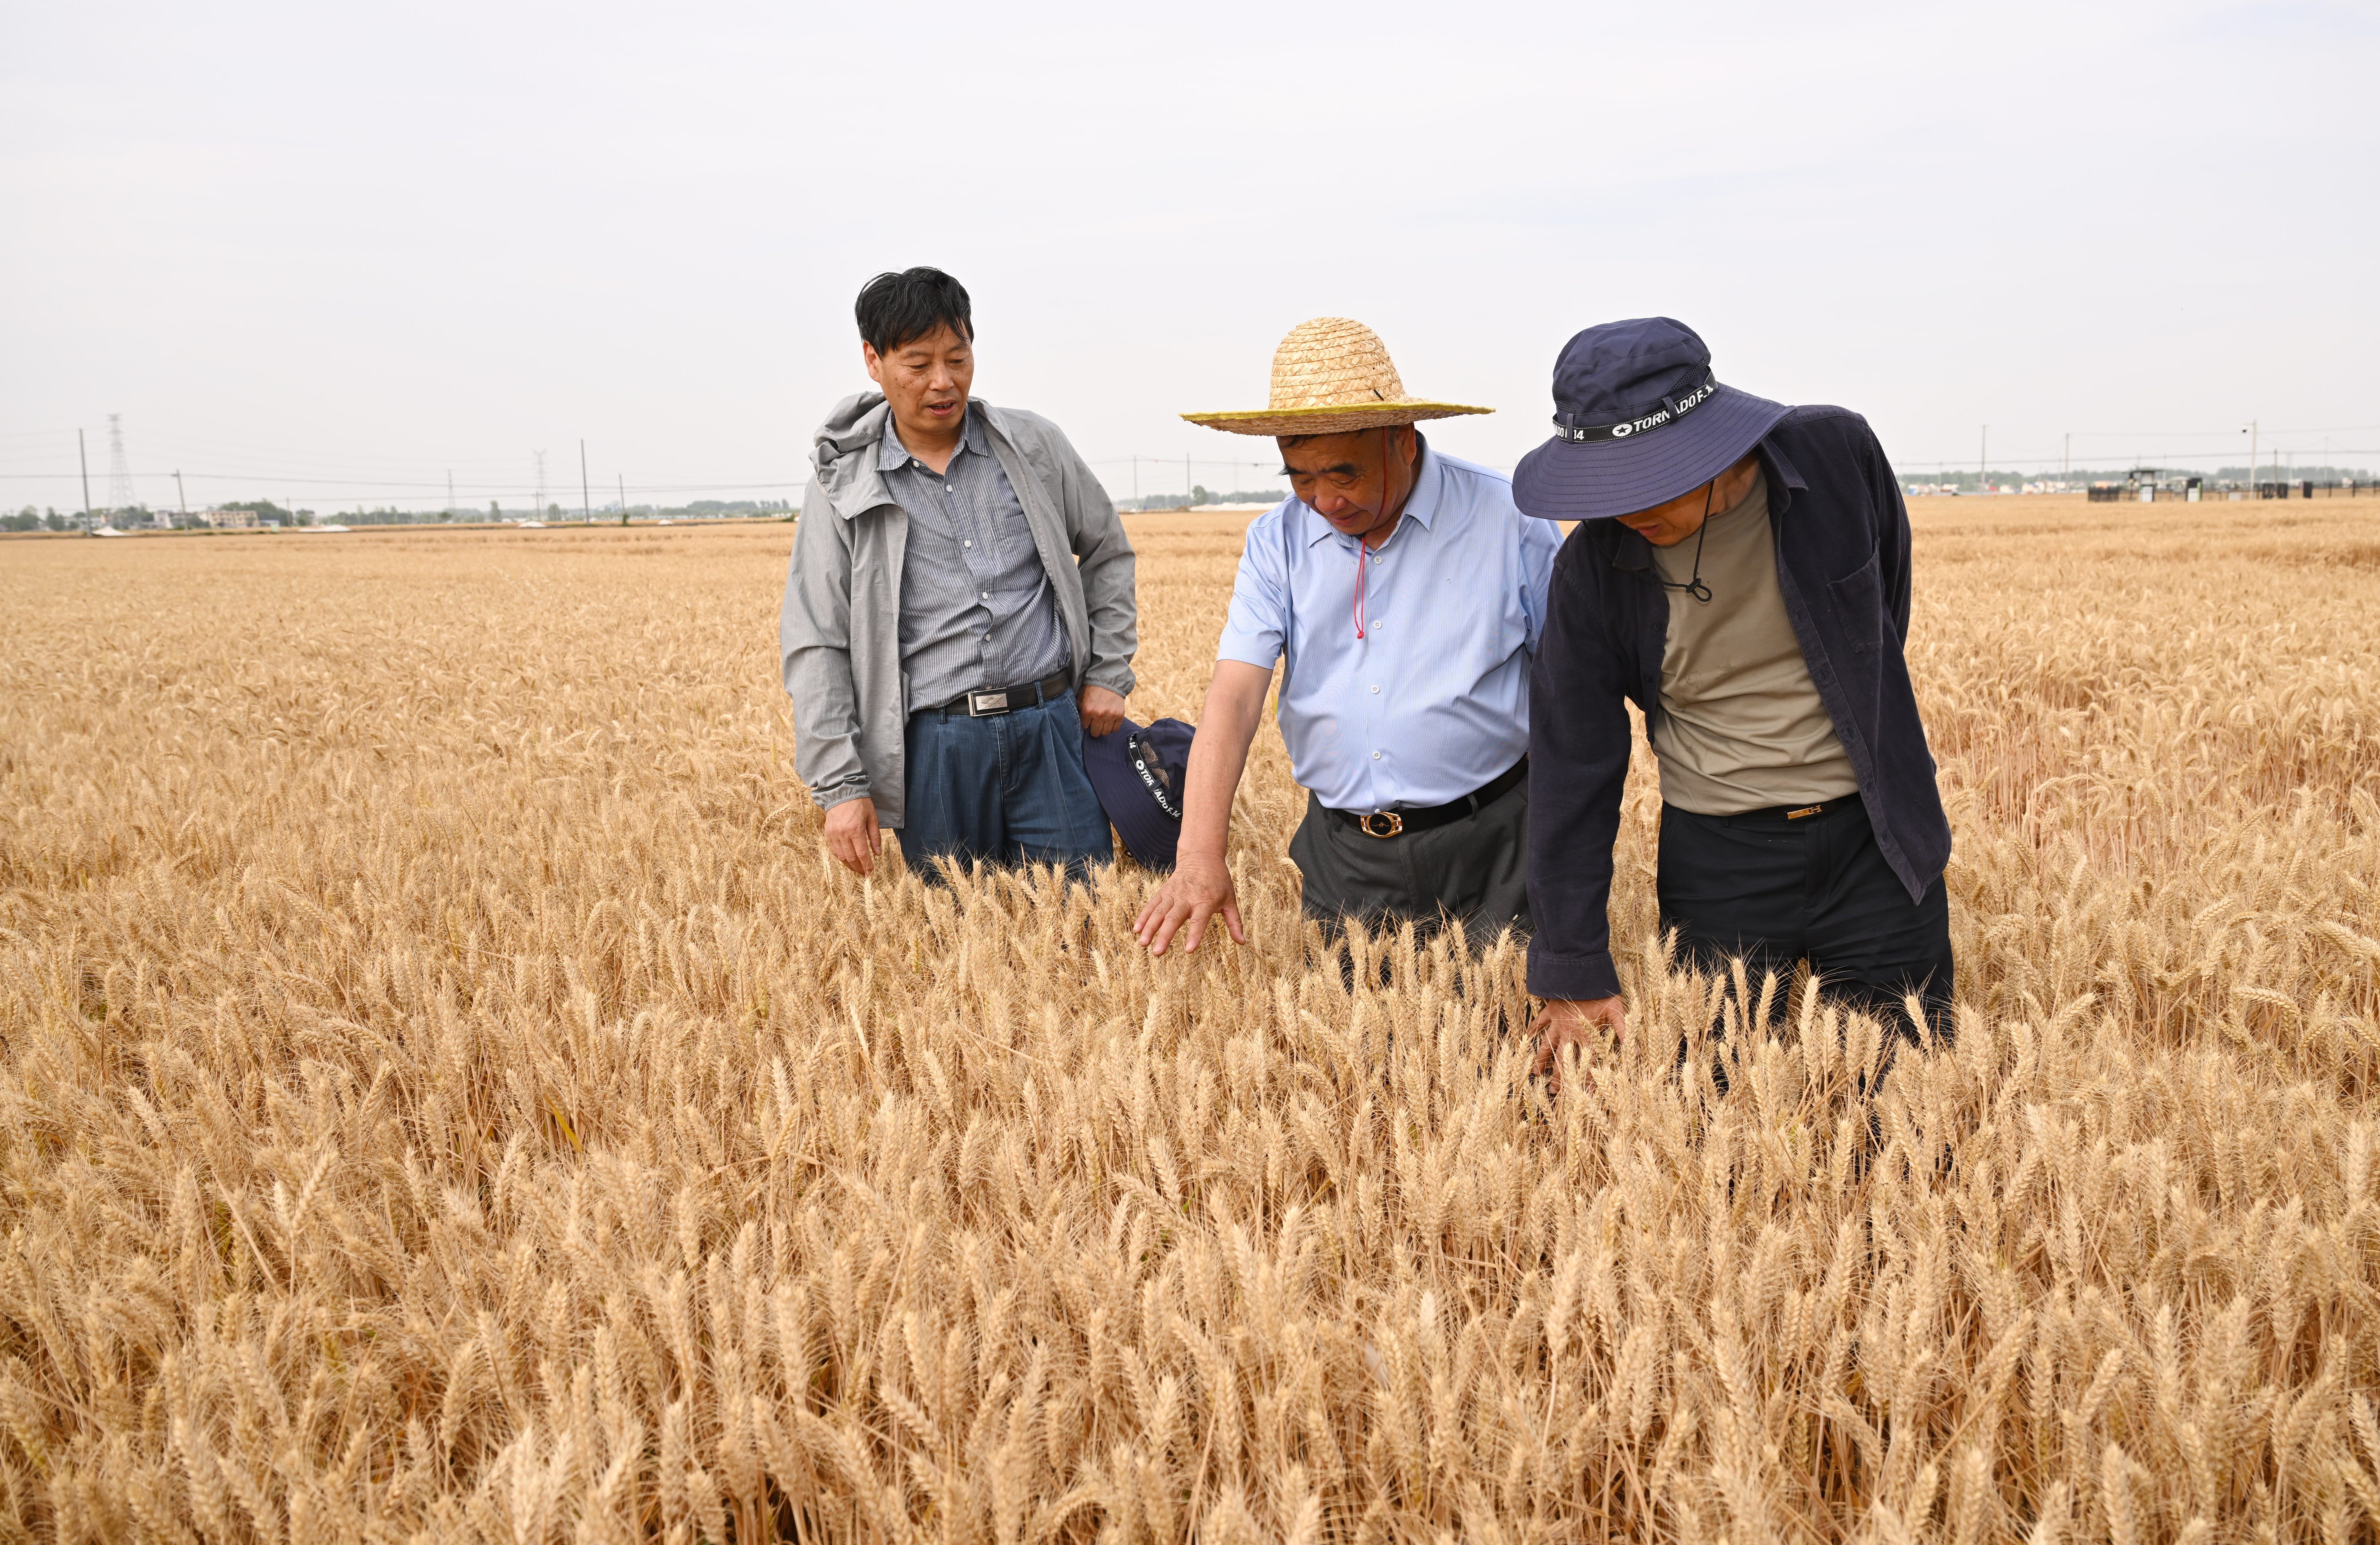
(1578, 766)
(1253, 631)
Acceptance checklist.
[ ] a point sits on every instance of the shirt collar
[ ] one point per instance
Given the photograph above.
(1421, 504)
(1784, 478)
(890, 454)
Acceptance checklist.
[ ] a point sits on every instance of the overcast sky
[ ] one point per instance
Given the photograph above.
(330, 252)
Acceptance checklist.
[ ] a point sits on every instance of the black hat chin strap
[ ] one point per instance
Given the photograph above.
(1694, 587)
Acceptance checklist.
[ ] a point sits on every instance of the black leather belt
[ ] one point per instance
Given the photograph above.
(993, 702)
(1396, 824)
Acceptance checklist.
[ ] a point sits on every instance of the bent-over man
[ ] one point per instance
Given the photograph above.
(1402, 592)
(1741, 573)
(959, 610)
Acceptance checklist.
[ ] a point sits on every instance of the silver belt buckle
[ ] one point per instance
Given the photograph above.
(985, 705)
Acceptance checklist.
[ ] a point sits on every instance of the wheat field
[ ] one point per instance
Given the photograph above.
(447, 1094)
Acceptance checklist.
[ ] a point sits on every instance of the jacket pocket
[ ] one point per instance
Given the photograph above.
(1859, 602)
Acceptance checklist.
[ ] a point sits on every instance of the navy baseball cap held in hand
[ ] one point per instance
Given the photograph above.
(1638, 420)
(1138, 775)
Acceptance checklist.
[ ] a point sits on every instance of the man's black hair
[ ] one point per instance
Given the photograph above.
(897, 308)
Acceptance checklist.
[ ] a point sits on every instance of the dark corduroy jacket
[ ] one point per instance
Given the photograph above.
(1843, 560)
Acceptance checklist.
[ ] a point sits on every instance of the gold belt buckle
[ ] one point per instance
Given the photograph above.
(1806, 809)
(1396, 824)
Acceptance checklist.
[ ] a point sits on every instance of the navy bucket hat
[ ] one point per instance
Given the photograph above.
(1138, 775)
(1638, 420)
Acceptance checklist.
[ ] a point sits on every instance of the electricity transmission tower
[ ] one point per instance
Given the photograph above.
(119, 471)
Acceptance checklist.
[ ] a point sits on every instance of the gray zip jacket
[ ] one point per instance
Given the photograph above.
(840, 631)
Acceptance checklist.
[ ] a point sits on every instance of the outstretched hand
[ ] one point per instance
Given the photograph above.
(1190, 897)
(1573, 1022)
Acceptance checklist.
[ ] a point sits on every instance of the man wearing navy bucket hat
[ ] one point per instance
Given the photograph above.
(1741, 573)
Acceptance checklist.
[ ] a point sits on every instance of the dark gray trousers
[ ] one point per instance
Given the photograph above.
(1473, 870)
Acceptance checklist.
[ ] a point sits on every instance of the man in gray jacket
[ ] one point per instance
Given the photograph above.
(959, 611)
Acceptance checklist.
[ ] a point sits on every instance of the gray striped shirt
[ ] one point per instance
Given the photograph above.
(975, 605)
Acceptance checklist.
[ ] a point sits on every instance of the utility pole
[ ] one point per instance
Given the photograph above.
(2252, 458)
(624, 498)
(2066, 467)
(83, 451)
(450, 493)
(180, 497)
(586, 500)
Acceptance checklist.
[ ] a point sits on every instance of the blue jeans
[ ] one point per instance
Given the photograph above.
(1010, 790)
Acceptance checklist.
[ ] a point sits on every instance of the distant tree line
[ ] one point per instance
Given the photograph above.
(1969, 478)
(1201, 495)
(32, 519)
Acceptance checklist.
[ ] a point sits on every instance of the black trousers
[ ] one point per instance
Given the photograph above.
(1776, 891)
(1475, 870)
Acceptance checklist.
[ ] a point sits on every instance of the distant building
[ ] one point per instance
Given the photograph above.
(230, 520)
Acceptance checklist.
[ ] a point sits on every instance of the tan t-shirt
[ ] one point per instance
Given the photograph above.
(1741, 726)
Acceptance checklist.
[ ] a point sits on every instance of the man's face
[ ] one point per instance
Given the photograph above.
(1359, 482)
(926, 380)
(1668, 525)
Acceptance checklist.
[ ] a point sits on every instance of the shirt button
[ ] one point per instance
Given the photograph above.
(1376, 756)
(967, 544)
(1375, 690)
(987, 595)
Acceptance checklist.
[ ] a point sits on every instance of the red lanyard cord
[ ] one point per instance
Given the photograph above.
(1362, 547)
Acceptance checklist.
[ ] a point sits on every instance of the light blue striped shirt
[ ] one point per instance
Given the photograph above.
(1433, 701)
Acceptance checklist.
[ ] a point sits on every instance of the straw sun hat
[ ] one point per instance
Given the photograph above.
(1333, 376)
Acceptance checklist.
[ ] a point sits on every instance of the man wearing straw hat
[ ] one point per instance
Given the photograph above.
(1741, 573)
(1402, 592)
